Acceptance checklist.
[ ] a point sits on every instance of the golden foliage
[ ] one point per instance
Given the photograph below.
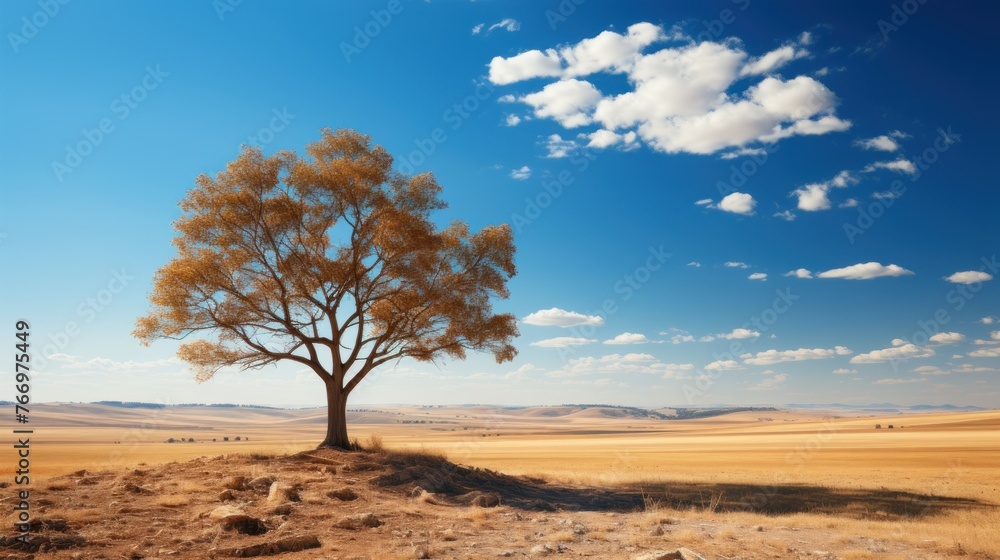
(329, 260)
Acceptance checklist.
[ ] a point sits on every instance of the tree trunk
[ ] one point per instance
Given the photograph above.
(336, 418)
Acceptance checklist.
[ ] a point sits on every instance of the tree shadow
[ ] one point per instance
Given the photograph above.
(454, 484)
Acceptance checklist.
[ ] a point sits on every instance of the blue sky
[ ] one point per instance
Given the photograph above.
(636, 149)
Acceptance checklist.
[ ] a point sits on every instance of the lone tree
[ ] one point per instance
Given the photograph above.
(332, 262)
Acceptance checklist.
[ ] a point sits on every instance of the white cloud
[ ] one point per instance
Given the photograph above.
(969, 368)
(969, 277)
(704, 202)
(622, 363)
(740, 333)
(733, 154)
(814, 196)
(773, 60)
(522, 371)
(758, 276)
(507, 24)
(723, 365)
(738, 203)
(771, 382)
(680, 338)
(905, 351)
(569, 102)
(690, 97)
(845, 371)
(900, 165)
(897, 381)
(799, 273)
(947, 337)
(993, 352)
(607, 138)
(849, 203)
(559, 148)
(563, 342)
(886, 195)
(930, 370)
(864, 271)
(706, 338)
(477, 28)
(769, 357)
(785, 215)
(556, 317)
(995, 335)
(628, 338)
(512, 120)
(988, 320)
(735, 264)
(881, 143)
(521, 174)
(695, 264)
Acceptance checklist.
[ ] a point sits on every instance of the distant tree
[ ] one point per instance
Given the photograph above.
(331, 262)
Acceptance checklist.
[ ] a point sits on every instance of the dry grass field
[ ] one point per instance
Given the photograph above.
(759, 484)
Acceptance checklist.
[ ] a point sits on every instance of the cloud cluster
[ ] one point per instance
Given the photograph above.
(769, 357)
(689, 96)
(900, 350)
(556, 317)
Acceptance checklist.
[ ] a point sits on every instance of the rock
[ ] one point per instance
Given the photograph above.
(281, 493)
(235, 483)
(87, 481)
(541, 550)
(420, 552)
(448, 535)
(657, 530)
(416, 492)
(231, 517)
(358, 521)
(227, 496)
(280, 546)
(261, 482)
(758, 528)
(282, 509)
(579, 529)
(485, 499)
(506, 553)
(343, 494)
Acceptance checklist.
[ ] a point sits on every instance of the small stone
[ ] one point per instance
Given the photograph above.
(358, 521)
(343, 494)
(281, 493)
(657, 530)
(420, 552)
(541, 550)
(227, 496)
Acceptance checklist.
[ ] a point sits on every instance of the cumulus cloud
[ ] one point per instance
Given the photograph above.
(563, 342)
(785, 215)
(771, 382)
(758, 276)
(695, 264)
(993, 352)
(512, 120)
(882, 143)
(628, 338)
(988, 320)
(769, 357)
(723, 365)
(681, 338)
(556, 317)
(947, 337)
(814, 196)
(904, 351)
(864, 271)
(849, 203)
(900, 165)
(607, 138)
(737, 203)
(623, 363)
(690, 97)
(735, 264)
(521, 174)
(740, 333)
(569, 102)
(559, 148)
(845, 371)
(969, 277)
(799, 273)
